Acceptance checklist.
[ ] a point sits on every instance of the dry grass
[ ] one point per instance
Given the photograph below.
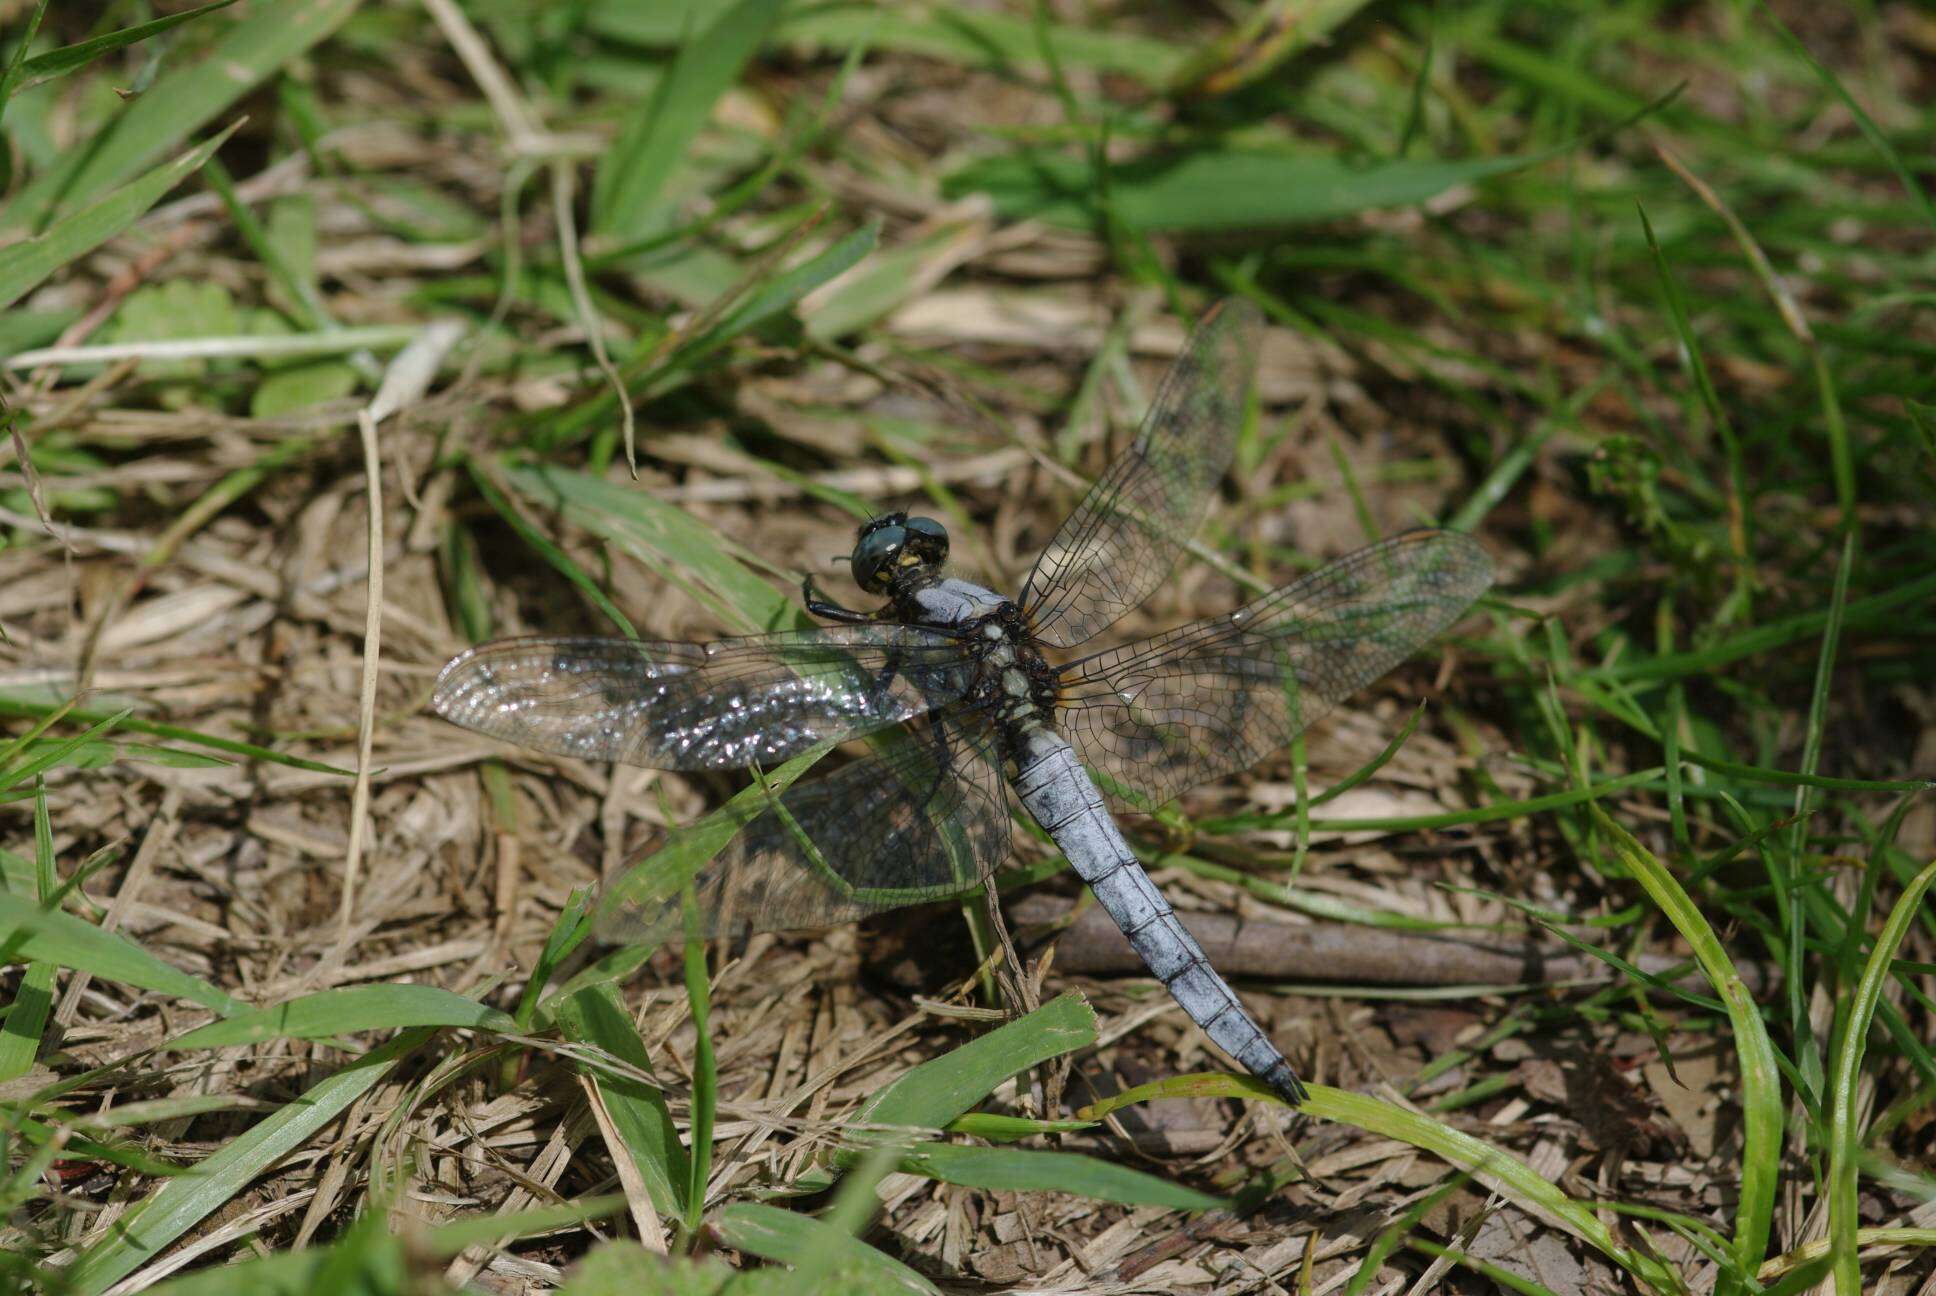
(1496, 352)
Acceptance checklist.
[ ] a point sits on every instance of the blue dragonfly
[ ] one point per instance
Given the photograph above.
(963, 708)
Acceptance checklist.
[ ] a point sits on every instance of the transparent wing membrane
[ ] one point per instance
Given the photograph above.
(1123, 538)
(692, 706)
(923, 815)
(1208, 699)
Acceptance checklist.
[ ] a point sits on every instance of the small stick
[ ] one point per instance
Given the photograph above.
(1341, 953)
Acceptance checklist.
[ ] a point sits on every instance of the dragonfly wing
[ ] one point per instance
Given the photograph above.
(921, 818)
(1123, 538)
(689, 706)
(1156, 718)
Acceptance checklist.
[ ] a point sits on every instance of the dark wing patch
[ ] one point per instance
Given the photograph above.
(921, 819)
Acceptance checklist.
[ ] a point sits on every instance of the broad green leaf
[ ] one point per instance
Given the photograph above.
(26, 1018)
(625, 1268)
(189, 1198)
(30, 932)
(290, 236)
(997, 1128)
(1215, 190)
(179, 103)
(663, 537)
(626, 190)
(67, 58)
(177, 310)
(945, 32)
(347, 1011)
(23, 330)
(595, 1016)
(1027, 1170)
(26, 263)
(936, 1092)
(782, 1235)
(301, 386)
(884, 283)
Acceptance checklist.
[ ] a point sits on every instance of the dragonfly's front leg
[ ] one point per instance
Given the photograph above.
(826, 609)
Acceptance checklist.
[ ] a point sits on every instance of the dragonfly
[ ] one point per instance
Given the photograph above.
(951, 689)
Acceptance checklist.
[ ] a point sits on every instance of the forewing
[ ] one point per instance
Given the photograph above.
(921, 819)
(1208, 699)
(1122, 540)
(692, 706)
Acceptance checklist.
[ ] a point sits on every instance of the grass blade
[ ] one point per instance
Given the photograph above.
(21, 703)
(640, 895)
(184, 1201)
(949, 33)
(1871, 131)
(347, 1011)
(26, 263)
(1761, 1102)
(705, 1072)
(1845, 1140)
(1028, 1170)
(33, 999)
(551, 553)
(663, 537)
(1500, 1171)
(625, 193)
(790, 1238)
(936, 1092)
(30, 932)
(10, 81)
(68, 58)
(195, 94)
(1211, 190)
(595, 1016)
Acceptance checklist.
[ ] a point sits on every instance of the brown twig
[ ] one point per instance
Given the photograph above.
(1340, 953)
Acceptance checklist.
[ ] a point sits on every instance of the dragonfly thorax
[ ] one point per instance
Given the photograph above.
(1014, 682)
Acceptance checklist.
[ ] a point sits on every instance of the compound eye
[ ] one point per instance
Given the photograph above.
(874, 557)
(928, 538)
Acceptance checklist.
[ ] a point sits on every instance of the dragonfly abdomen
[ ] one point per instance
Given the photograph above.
(1053, 786)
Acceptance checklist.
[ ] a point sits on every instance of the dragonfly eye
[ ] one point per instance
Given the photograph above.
(875, 557)
(927, 539)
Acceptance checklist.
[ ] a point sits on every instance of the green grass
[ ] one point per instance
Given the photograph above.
(1639, 294)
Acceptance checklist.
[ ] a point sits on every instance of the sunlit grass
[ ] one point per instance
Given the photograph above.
(1673, 348)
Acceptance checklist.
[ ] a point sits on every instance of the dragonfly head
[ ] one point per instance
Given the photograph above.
(895, 546)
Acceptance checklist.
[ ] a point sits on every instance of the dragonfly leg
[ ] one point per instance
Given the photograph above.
(826, 609)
